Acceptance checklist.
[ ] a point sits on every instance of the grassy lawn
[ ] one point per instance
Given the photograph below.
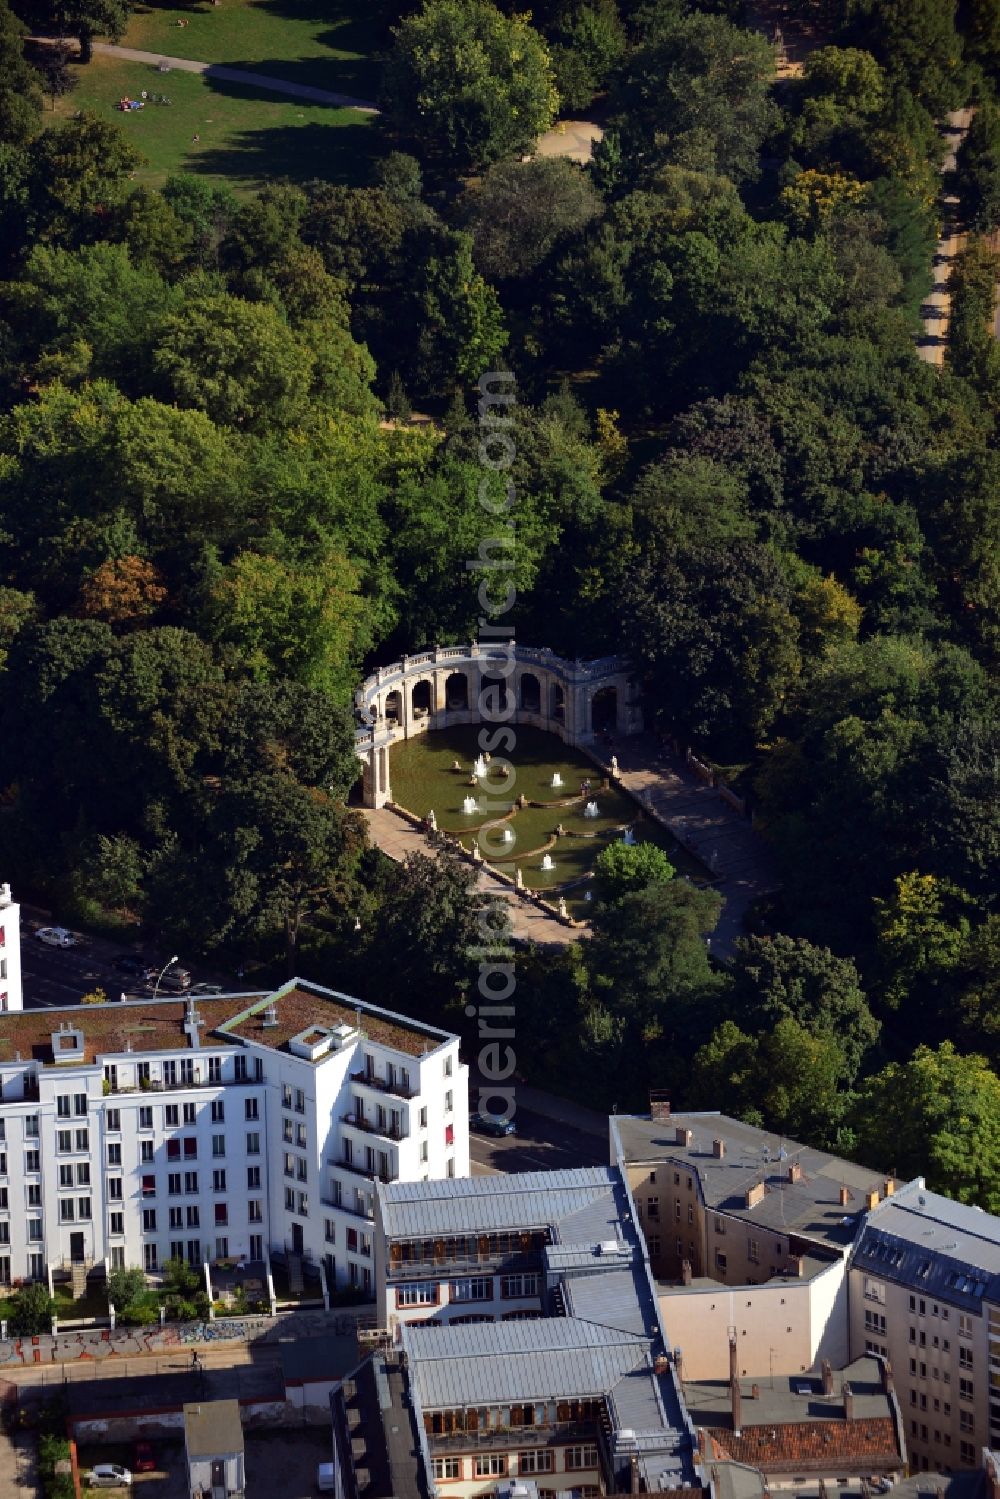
(328, 45)
(95, 1304)
(247, 136)
(422, 779)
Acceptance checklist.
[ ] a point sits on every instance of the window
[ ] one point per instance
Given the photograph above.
(67, 1210)
(31, 1126)
(753, 1251)
(65, 1176)
(118, 1257)
(32, 1160)
(301, 1169)
(145, 1117)
(190, 1147)
(190, 1113)
(149, 1258)
(535, 1462)
(720, 1260)
(79, 1103)
(149, 1185)
(424, 1156)
(965, 1358)
(171, 1116)
(218, 1181)
(222, 1249)
(964, 1325)
(64, 1141)
(301, 1139)
(218, 1145)
(255, 1214)
(173, 1150)
(303, 1205)
(875, 1291)
(149, 1220)
(289, 1199)
(34, 1196)
(35, 1230)
(240, 1068)
(300, 1101)
(116, 1223)
(190, 1181)
(146, 1151)
(82, 1140)
(417, 1293)
(250, 1109)
(513, 1286)
(174, 1183)
(289, 1164)
(448, 1467)
(176, 1218)
(221, 1215)
(83, 1208)
(448, 1065)
(653, 1207)
(329, 1231)
(966, 1390)
(218, 1111)
(423, 1117)
(874, 1321)
(966, 1421)
(63, 1106)
(193, 1217)
(287, 1131)
(253, 1178)
(472, 1288)
(448, 1101)
(580, 1457)
(490, 1465)
(253, 1144)
(967, 1453)
(113, 1118)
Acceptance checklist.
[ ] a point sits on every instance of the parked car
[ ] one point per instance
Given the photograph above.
(132, 967)
(55, 936)
(174, 980)
(144, 1460)
(207, 989)
(109, 1476)
(489, 1124)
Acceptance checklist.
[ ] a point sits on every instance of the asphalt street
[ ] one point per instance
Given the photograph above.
(53, 976)
(541, 1144)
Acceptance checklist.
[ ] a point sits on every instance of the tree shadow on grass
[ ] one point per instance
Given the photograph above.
(341, 153)
(358, 77)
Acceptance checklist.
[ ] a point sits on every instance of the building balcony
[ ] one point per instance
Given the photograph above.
(441, 1266)
(379, 1084)
(370, 1127)
(369, 1175)
(509, 1438)
(343, 1207)
(157, 1085)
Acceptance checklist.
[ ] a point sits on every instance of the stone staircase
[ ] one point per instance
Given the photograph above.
(295, 1282)
(78, 1271)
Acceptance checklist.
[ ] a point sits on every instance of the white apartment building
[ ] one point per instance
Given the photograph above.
(10, 952)
(227, 1127)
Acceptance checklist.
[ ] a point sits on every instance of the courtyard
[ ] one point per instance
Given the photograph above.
(554, 840)
(295, 1453)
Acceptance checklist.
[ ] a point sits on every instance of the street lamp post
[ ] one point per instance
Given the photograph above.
(168, 964)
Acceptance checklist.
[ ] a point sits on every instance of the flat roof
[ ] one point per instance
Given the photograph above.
(778, 1401)
(809, 1207)
(584, 1204)
(387, 1444)
(119, 1028)
(299, 1005)
(212, 1428)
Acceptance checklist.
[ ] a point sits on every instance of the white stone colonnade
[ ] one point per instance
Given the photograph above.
(578, 700)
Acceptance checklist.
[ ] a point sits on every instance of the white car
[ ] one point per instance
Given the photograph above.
(109, 1476)
(55, 936)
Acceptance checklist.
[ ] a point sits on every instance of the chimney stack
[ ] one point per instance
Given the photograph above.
(888, 1383)
(679, 1365)
(888, 1187)
(734, 1372)
(755, 1392)
(737, 1404)
(755, 1194)
(795, 1172)
(634, 1475)
(659, 1106)
(683, 1136)
(686, 1276)
(848, 1403)
(718, 1149)
(827, 1373)
(845, 1197)
(661, 1364)
(871, 1200)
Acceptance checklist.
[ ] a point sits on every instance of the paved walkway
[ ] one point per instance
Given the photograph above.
(706, 825)
(235, 75)
(529, 923)
(18, 1466)
(574, 139)
(936, 311)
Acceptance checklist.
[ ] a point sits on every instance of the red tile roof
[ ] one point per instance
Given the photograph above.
(866, 1444)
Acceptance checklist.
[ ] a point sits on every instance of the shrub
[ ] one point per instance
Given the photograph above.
(32, 1309)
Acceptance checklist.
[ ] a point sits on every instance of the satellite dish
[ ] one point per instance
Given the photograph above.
(922, 1201)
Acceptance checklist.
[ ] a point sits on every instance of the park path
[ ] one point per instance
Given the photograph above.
(529, 923)
(936, 311)
(703, 823)
(239, 75)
